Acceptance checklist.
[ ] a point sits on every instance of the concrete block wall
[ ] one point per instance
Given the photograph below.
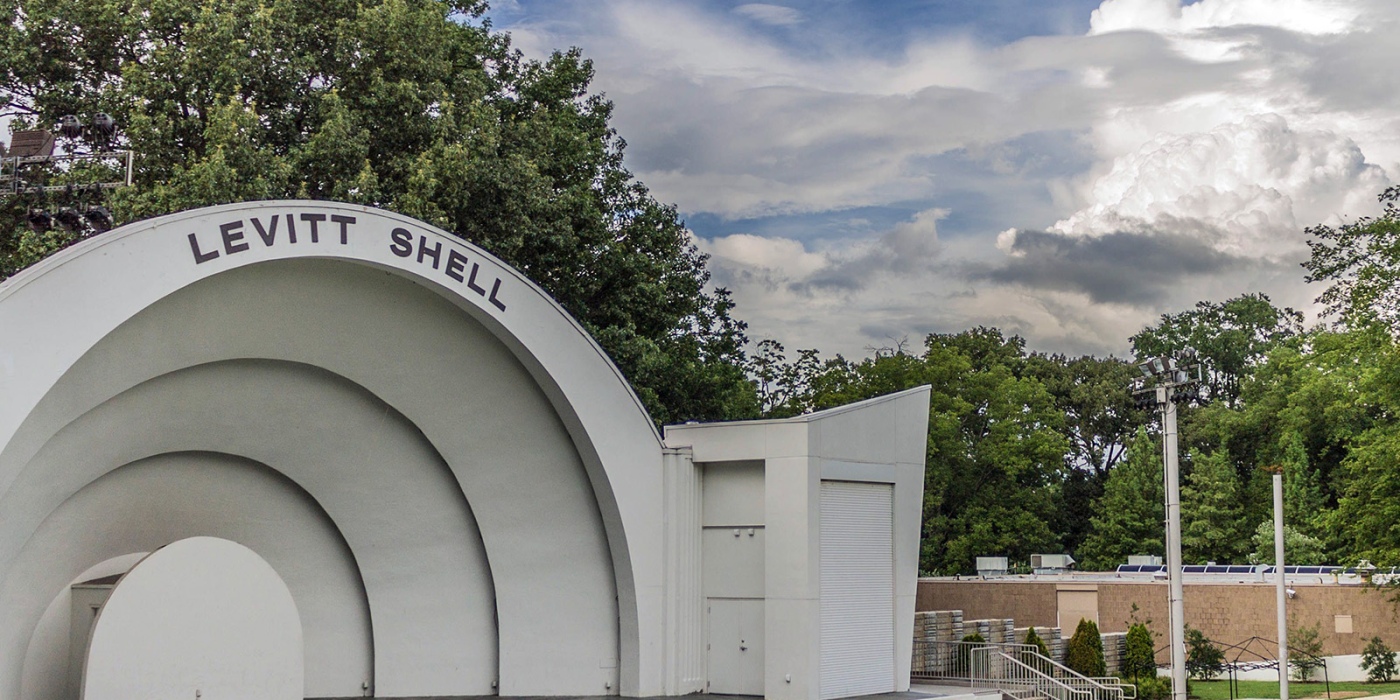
(1115, 646)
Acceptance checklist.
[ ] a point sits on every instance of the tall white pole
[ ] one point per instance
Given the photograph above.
(1281, 595)
(1173, 493)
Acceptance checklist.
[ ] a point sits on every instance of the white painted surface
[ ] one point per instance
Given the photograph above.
(203, 618)
(882, 440)
(736, 646)
(476, 382)
(857, 584)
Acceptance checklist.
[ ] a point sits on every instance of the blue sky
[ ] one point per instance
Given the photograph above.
(862, 172)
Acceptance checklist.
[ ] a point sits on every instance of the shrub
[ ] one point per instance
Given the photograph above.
(1307, 641)
(1085, 652)
(1204, 660)
(1154, 687)
(964, 665)
(1034, 640)
(1378, 660)
(1139, 659)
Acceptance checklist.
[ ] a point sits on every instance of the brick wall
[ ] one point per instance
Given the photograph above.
(1226, 612)
(1028, 603)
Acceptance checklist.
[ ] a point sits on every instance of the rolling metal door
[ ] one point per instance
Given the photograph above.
(857, 588)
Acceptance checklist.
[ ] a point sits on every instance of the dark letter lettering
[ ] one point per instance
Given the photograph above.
(269, 235)
(232, 233)
(344, 222)
(456, 262)
(497, 302)
(314, 219)
(423, 250)
(291, 228)
(199, 257)
(471, 281)
(403, 242)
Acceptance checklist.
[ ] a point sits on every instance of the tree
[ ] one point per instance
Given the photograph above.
(1305, 643)
(1085, 652)
(1204, 660)
(994, 449)
(1213, 527)
(1361, 261)
(1033, 639)
(416, 106)
(1140, 657)
(1378, 661)
(1128, 519)
(1298, 549)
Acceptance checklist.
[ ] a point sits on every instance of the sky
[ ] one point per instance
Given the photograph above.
(865, 172)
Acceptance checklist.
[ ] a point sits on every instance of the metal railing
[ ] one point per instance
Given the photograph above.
(1021, 666)
(993, 668)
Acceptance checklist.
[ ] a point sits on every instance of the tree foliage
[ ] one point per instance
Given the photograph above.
(416, 106)
(1085, 651)
(1361, 262)
(1378, 661)
(1034, 640)
(1128, 518)
(1204, 660)
(1139, 657)
(1213, 527)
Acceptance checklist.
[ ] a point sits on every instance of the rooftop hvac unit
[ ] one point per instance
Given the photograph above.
(992, 566)
(1051, 563)
(1144, 560)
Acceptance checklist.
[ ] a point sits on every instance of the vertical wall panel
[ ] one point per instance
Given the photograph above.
(857, 584)
(685, 638)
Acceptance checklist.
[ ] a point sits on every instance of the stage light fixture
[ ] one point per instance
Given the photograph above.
(103, 125)
(70, 126)
(99, 217)
(69, 219)
(39, 220)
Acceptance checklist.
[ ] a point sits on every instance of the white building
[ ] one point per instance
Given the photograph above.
(457, 487)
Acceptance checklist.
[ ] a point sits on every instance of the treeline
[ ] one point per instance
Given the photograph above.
(1042, 453)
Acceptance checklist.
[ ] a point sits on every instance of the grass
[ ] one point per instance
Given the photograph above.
(1220, 690)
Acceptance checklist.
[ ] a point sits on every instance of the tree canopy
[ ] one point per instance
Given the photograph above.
(416, 106)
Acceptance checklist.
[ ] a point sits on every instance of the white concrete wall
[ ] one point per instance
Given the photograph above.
(500, 385)
(881, 440)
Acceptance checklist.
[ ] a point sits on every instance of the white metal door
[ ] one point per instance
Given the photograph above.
(857, 582)
(736, 646)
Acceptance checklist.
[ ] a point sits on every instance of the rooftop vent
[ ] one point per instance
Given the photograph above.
(1144, 560)
(1051, 563)
(992, 566)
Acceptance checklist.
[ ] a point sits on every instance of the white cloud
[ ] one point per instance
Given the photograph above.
(1231, 124)
(777, 15)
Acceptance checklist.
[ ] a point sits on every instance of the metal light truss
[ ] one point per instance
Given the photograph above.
(11, 182)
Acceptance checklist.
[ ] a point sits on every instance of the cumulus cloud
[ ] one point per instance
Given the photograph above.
(1193, 143)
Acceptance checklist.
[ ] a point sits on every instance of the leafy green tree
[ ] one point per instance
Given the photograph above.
(1099, 420)
(1298, 549)
(1378, 661)
(1204, 660)
(416, 106)
(994, 449)
(1140, 657)
(1085, 651)
(1129, 517)
(1305, 647)
(1231, 337)
(1213, 527)
(1361, 261)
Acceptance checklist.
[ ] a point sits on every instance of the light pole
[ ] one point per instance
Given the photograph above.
(1281, 586)
(1165, 378)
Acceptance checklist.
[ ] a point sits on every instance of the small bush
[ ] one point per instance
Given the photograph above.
(1154, 687)
(1034, 640)
(1085, 652)
(1307, 641)
(1378, 660)
(964, 665)
(1204, 660)
(1139, 659)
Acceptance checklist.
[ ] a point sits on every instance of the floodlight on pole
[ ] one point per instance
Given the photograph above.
(70, 126)
(1165, 379)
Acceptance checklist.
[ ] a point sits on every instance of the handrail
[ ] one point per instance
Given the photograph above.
(994, 668)
(954, 659)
